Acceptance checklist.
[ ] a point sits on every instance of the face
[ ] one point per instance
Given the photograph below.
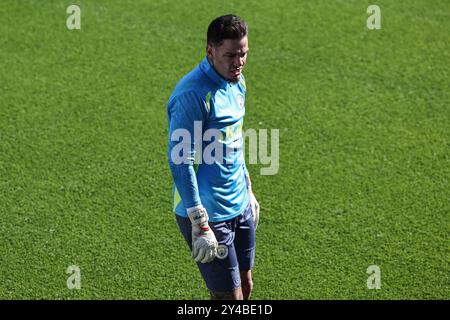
(229, 58)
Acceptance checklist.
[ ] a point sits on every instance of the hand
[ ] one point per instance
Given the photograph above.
(254, 207)
(204, 242)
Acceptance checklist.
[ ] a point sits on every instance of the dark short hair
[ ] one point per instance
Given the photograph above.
(226, 27)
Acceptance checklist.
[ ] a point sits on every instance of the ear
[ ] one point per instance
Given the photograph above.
(209, 51)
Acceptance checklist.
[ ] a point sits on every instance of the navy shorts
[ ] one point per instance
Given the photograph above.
(236, 251)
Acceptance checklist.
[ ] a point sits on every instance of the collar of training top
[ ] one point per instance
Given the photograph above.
(207, 68)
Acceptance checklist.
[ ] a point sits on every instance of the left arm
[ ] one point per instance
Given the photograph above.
(253, 202)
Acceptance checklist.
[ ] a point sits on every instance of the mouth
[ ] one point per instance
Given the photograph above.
(236, 72)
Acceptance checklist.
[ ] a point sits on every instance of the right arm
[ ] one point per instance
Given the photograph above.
(183, 112)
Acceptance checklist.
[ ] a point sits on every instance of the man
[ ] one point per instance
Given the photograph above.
(215, 208)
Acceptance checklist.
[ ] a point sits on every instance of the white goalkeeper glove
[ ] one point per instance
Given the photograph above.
(204, 242)
(254, 205)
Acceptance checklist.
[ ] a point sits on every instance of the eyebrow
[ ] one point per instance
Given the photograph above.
(233, 53)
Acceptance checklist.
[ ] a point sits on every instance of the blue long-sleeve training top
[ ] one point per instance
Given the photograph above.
(205, 117)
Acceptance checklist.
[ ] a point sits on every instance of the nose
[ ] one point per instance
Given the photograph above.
(239, 61)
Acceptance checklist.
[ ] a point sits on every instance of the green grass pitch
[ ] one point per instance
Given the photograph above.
(364, 120)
